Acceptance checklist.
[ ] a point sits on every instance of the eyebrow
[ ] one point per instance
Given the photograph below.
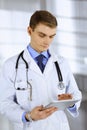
(46, 35)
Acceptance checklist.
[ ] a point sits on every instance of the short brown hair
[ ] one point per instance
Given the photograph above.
(44, 17)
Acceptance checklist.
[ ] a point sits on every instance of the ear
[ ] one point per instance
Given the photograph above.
(29, 30)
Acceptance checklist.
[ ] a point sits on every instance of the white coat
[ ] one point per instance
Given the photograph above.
(13, 103)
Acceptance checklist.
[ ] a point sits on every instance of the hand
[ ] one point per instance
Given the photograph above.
(64, 96)
(40, 112)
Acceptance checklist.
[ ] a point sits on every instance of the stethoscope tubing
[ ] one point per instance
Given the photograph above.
(60, 78)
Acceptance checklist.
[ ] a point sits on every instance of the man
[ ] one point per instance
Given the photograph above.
(30, 81)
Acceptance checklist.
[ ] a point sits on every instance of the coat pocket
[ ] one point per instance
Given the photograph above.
(23, 94)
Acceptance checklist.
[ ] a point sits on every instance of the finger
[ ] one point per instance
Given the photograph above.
(51, 110)
(47, 112)
(39, 108)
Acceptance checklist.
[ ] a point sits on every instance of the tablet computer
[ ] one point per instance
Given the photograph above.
(62, 104)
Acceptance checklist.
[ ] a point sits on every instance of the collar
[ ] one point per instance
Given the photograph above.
(34, 53)
(53, 56)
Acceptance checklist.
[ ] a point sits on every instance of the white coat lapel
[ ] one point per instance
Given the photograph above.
(51, 61)
(32, 64)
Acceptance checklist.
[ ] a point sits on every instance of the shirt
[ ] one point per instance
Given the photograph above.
(34, 54)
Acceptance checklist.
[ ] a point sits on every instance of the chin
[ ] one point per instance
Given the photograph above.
(45, 48)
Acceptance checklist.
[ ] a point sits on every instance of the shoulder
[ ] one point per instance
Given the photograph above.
(62, 60)
(56, 57)
(9, 64)
(8, 67)
(11, 60)
(64, 64)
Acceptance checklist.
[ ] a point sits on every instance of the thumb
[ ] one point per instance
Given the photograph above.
(40, 107)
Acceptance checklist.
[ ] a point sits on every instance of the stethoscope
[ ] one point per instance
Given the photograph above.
(29, 86)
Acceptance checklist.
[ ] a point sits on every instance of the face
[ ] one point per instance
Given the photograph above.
(41, 37)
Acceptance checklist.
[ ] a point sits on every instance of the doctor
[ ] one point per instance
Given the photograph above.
(34, 78)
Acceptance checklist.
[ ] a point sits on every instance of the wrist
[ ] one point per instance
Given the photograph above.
(28, 117)
(71, 106)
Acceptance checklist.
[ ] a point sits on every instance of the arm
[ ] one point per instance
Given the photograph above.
(8, 106)
(74, 91)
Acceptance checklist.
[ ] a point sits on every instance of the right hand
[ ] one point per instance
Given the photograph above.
(40, 112)
(64, 96)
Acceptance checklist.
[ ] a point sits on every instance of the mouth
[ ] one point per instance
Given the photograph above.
(46, 45)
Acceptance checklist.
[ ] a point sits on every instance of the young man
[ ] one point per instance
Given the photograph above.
(30, 81)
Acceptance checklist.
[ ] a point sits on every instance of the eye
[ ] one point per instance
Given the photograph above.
(51, 36)
(42, 35)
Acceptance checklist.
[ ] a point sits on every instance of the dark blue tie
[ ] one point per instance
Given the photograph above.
(40, 62)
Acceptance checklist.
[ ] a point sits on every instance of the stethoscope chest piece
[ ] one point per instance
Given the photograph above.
(61, 86)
